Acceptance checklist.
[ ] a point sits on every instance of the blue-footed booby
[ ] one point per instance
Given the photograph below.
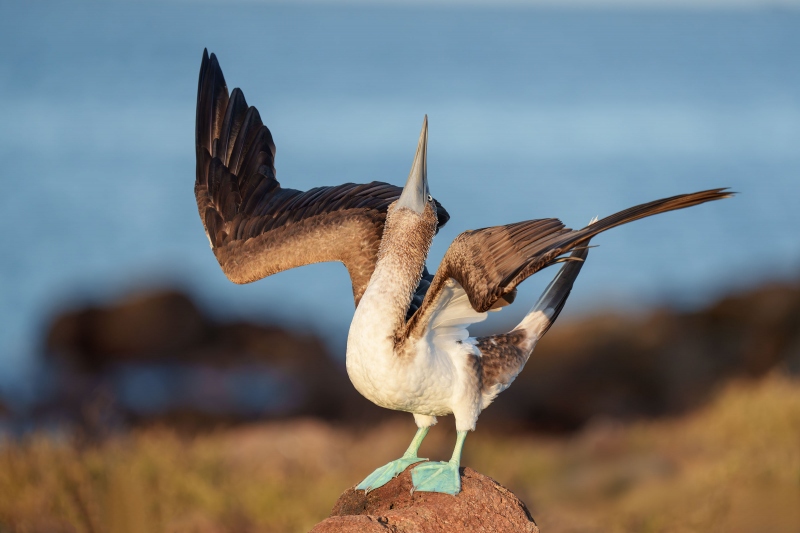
(408, 347)
(417, 356)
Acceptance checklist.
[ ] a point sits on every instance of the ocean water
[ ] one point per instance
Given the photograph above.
(533, 113)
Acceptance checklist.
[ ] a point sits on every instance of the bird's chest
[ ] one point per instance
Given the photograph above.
(416, 382)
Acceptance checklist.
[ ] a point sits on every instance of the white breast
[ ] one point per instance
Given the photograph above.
(430, 380)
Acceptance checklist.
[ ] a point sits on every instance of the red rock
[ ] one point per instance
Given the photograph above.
(483, 506)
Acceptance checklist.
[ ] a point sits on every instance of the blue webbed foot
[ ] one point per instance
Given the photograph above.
(383, 475)
(437, 477)
(387, 472)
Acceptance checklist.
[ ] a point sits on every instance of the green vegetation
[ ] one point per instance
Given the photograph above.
(734, 466)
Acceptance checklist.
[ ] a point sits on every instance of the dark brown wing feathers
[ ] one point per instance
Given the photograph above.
(256, 227)
(489, 263)
(550, 251)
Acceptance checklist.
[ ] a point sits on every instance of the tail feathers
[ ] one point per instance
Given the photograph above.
(551, 302)
(504, 356)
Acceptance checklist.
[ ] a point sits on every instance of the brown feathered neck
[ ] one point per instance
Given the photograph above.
(406, 241)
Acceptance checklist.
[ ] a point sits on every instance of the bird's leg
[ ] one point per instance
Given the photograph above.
(387, 472)
(441, 476)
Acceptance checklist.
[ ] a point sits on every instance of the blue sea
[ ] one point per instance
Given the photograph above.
(533, 113)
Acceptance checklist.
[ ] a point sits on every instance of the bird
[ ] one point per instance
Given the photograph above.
(420, 358)
(408, 345)
(257, 228)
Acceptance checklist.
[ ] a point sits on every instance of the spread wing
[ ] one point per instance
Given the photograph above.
(489, 263)
(256, 227)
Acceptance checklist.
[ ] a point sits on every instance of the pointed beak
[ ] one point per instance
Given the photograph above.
(415, 193)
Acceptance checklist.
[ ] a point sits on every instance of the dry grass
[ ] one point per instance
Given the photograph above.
(733, 467)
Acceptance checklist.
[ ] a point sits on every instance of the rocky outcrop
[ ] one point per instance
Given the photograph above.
(482, 506)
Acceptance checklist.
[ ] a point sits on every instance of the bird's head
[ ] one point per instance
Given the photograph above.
(413, 216)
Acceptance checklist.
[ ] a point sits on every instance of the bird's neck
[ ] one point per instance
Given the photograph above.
(401, 259)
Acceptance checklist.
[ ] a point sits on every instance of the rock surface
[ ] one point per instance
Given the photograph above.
(482, 506)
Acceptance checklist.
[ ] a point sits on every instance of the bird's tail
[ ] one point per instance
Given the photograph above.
(545, 311)
(504, 356)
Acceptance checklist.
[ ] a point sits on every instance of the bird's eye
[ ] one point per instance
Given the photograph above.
(430, 198)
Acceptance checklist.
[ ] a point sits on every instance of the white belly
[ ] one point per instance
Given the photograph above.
(436, 377)
(422, 383)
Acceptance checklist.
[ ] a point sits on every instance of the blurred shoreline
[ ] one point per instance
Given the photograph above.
(153, 356)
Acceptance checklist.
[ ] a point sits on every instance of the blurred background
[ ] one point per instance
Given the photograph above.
(140, 390)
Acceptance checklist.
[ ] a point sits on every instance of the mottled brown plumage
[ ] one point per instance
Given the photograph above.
(257, 228)
(502, 357)
(404, 237)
